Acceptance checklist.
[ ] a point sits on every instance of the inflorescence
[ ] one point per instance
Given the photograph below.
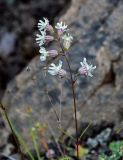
(60, 34)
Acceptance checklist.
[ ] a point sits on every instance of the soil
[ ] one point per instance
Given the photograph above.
(68, 145)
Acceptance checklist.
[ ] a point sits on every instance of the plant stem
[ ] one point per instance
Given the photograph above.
(84, 131)
(33, 135)
(14, 135)
(74, 97)
(53, 135)
(75, 108)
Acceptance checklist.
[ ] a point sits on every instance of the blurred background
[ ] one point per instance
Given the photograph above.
(18, 26)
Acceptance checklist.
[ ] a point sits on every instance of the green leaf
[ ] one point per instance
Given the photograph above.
(116, 147)
(65, 158)
(103, 157)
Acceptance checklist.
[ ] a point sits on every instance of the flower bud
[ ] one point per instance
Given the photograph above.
(49, 38)
(60, 32)
(67, 40)
(52, 53)
(62, 73)
(66, 44)
(50, 28)
(82, 71)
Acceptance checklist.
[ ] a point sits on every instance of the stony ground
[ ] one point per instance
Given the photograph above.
(97, 27)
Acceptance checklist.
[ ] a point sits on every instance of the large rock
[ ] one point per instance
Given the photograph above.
(97, 29)
(18, 27)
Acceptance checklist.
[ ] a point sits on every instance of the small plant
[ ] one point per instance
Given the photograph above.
(60, 35)
(54, 60)
(116, 149)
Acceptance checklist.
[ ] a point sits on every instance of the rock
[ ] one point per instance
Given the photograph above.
(97, 29)
(18, 27)
(12, 157)
(7, 44)
(92, 143)
(101, 139)
(4, 134)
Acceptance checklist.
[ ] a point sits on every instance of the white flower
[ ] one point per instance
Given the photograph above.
(54, 69)
(43, 24)
(44, 54)
(57, 70)
(41, 38)
(67, 37)
(86, 69)
(61, 27)
(67, 41)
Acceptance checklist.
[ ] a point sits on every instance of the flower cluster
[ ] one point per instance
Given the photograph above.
(43, 38)
(58, 33)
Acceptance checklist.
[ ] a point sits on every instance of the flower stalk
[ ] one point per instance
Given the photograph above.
(74, 101)
(12, 130)
(74, 97)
